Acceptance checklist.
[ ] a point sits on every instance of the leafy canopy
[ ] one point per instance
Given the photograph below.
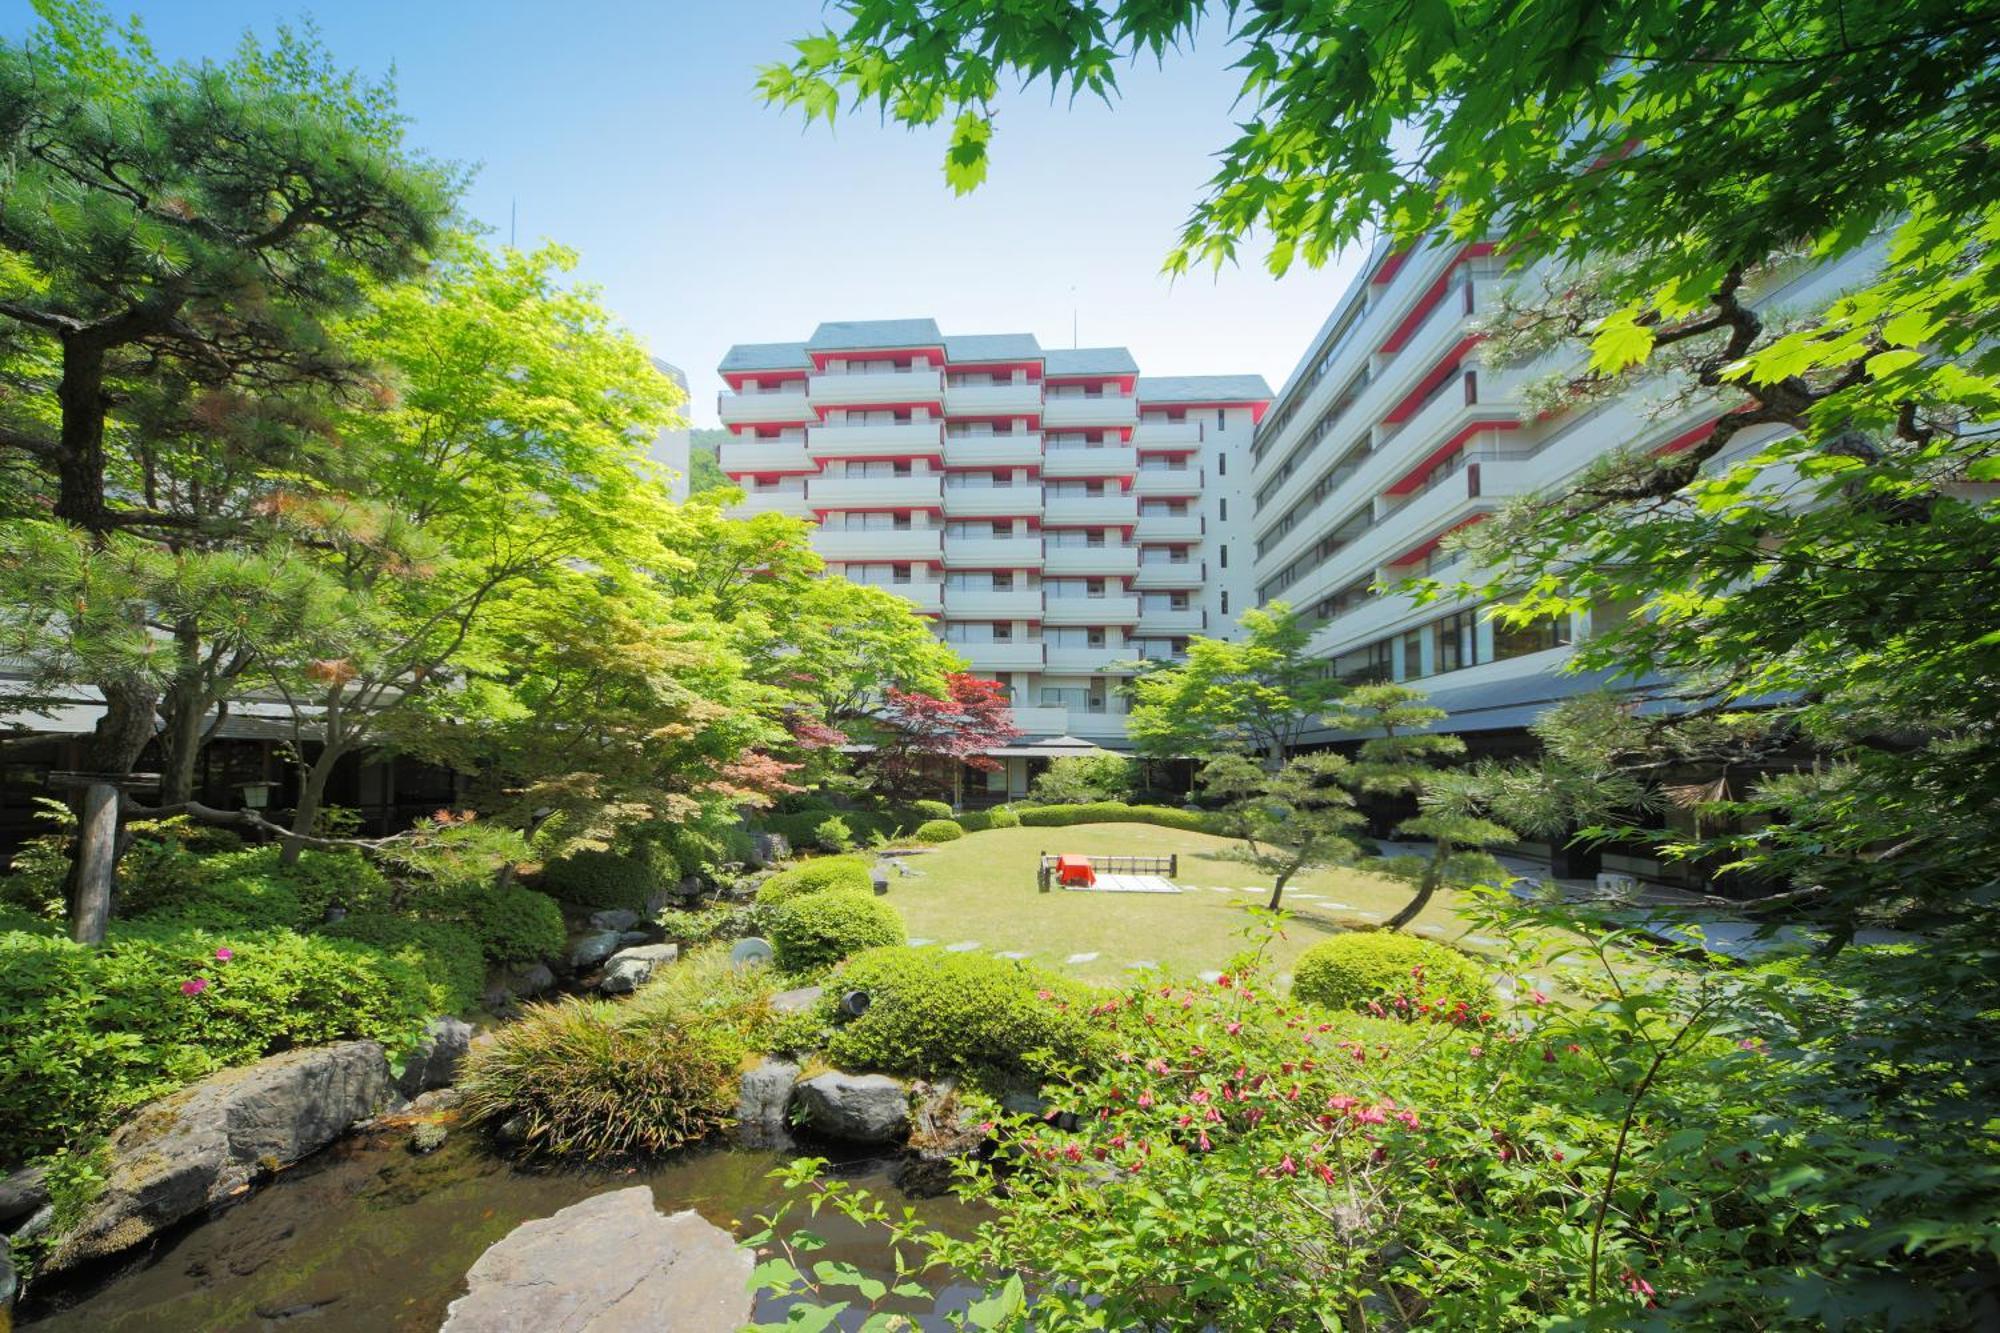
(1261, 692)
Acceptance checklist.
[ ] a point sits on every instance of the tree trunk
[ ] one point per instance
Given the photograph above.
(96, 866)
(1426, 889)
(80, 466)
(184, 710)
(1278, 891)
(312, 791)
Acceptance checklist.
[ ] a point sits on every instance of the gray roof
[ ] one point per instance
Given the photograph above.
(1089, 361)
(1203, 389)
(765, 356)
(993, 347)
(861, 335)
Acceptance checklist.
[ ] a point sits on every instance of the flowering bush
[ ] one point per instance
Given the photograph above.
(1390, 974)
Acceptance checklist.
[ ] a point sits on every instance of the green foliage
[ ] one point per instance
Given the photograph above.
(600, 880)
(938, 830)
(1004, 816)
(655, 1073)
(721, 922)
(1364, 968)
(87, 1034)
(245, 900)
(1077, 779)
(933, 1013)
(919, 811)
(1261, 691)
(820, 929)
(832, 835)
(1112, 812)
(1289, 821)
(818, 875)
(448, 956)
(516, 924)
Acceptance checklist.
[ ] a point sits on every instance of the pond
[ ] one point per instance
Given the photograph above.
(367, 1236)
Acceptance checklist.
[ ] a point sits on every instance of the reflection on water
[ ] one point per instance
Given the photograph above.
(366, 1236)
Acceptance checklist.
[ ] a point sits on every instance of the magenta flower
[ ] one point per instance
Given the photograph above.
(194, 986)
(224, 955)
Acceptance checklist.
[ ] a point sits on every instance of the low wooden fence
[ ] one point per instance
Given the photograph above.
(1168, 865)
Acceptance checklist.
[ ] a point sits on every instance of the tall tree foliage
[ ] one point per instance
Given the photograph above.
(1261, 692)
(1297, 818)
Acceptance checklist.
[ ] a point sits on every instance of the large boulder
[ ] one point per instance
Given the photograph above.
(614, 918)
(630, 969)
(856, 1108)
(22, 1193)
(611, 1264)
(587, 951)
(763, 1097)
(207, 1143)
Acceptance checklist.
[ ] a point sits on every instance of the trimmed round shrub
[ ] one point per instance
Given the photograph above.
(833, 835)
(517, 925)
(921, 810)
(932, 1013)
(816, 876)
(1116, 812)
(820, 929)
(449, 956)
(1348, 971)
(600, 880)
(938, 830)
(592, 1085)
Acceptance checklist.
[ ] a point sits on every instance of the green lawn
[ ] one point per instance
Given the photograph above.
(982, 888)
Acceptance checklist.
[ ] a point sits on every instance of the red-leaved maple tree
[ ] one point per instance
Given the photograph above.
(922, 739)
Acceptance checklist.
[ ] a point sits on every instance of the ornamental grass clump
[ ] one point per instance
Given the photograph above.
(820, 929)
(1385, 973)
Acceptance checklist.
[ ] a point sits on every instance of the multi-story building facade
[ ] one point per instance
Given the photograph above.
(1393, 433)
(1056, 514)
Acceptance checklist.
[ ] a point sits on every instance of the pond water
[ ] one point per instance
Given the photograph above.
(366, 1236)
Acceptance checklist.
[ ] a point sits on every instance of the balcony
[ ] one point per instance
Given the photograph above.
(925, 596)
(1101, 722)
(1165, 574)
(1013, 656)
(1089, 511)
(1019, 450)
(1088, 661)
(1113, 558)
(1042, 721)
(1188, 620)
(1090, 610)
(923, 491)
(775, 407)
(1165, 435)
(879, 388)
(1168, 528)
(1065, 413)
(899, 439)
(993, 400)
(879, 544)
(1166, 483)
(791, 502)
(993, 501)
(993, 603)
(993, 552)
(766, 456)
(1101, 462)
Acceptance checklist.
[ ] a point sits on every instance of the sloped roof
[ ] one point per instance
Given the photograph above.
(1203, 389)
(1089, 361)
(993, 347)
(765, 356)
(869, 334)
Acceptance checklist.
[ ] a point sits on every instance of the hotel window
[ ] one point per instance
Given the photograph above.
(1222, 465)
(1413, 654)
(1222, 555)
(1534, 637)
(1225, 603)
(1222, 512)
(1457, 641)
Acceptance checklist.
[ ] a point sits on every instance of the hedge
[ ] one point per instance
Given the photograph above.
(1350, 971)
(1117, 812)
(820, 929)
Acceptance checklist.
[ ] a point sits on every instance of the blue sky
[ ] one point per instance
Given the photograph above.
(630, 131)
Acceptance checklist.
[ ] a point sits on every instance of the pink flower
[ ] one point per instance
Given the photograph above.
(1288, 1167)
(1145, 1100)
(194, 986)
(1638, 1286)
(1233, 1028)
(1538, 997)
(224, 955)
(1476, 1051)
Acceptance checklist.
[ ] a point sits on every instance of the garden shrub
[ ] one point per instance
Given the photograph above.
(919, 811)
(248, 900)
(87, 1034)
(591, 1085)
(516, 924)
(816, 876)
(833, 835)
(1350, 970)
(449, 956)
(602, 880)
(248, 887)
(938, 830)
(1114, 812)
(932, 1013)
(1079, 779)
(1003, 816)
(820, 929)
(721, 922)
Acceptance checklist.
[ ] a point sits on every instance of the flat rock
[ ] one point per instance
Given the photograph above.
(632, 968)
(614, 918)
(587, 951)
(611, 1264)
(796, 1001)
(856, 1108)
(188, 1152)
(1082, 958)
(763, 1095)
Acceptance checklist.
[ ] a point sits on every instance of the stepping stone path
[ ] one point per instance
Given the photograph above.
(1217, 889)
(1368, 916)
(963, 946)
(1253, 890)
(918, 944)
(1014, 954)
(1144, 965)
(1082, 958)
(1435, 932)
(1483, 941)
(1340, 907)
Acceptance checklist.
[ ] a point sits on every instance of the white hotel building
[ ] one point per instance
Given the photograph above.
(1057, 514)
(1393, 433)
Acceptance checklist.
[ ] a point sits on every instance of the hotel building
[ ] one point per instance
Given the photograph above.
(1056, 514)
